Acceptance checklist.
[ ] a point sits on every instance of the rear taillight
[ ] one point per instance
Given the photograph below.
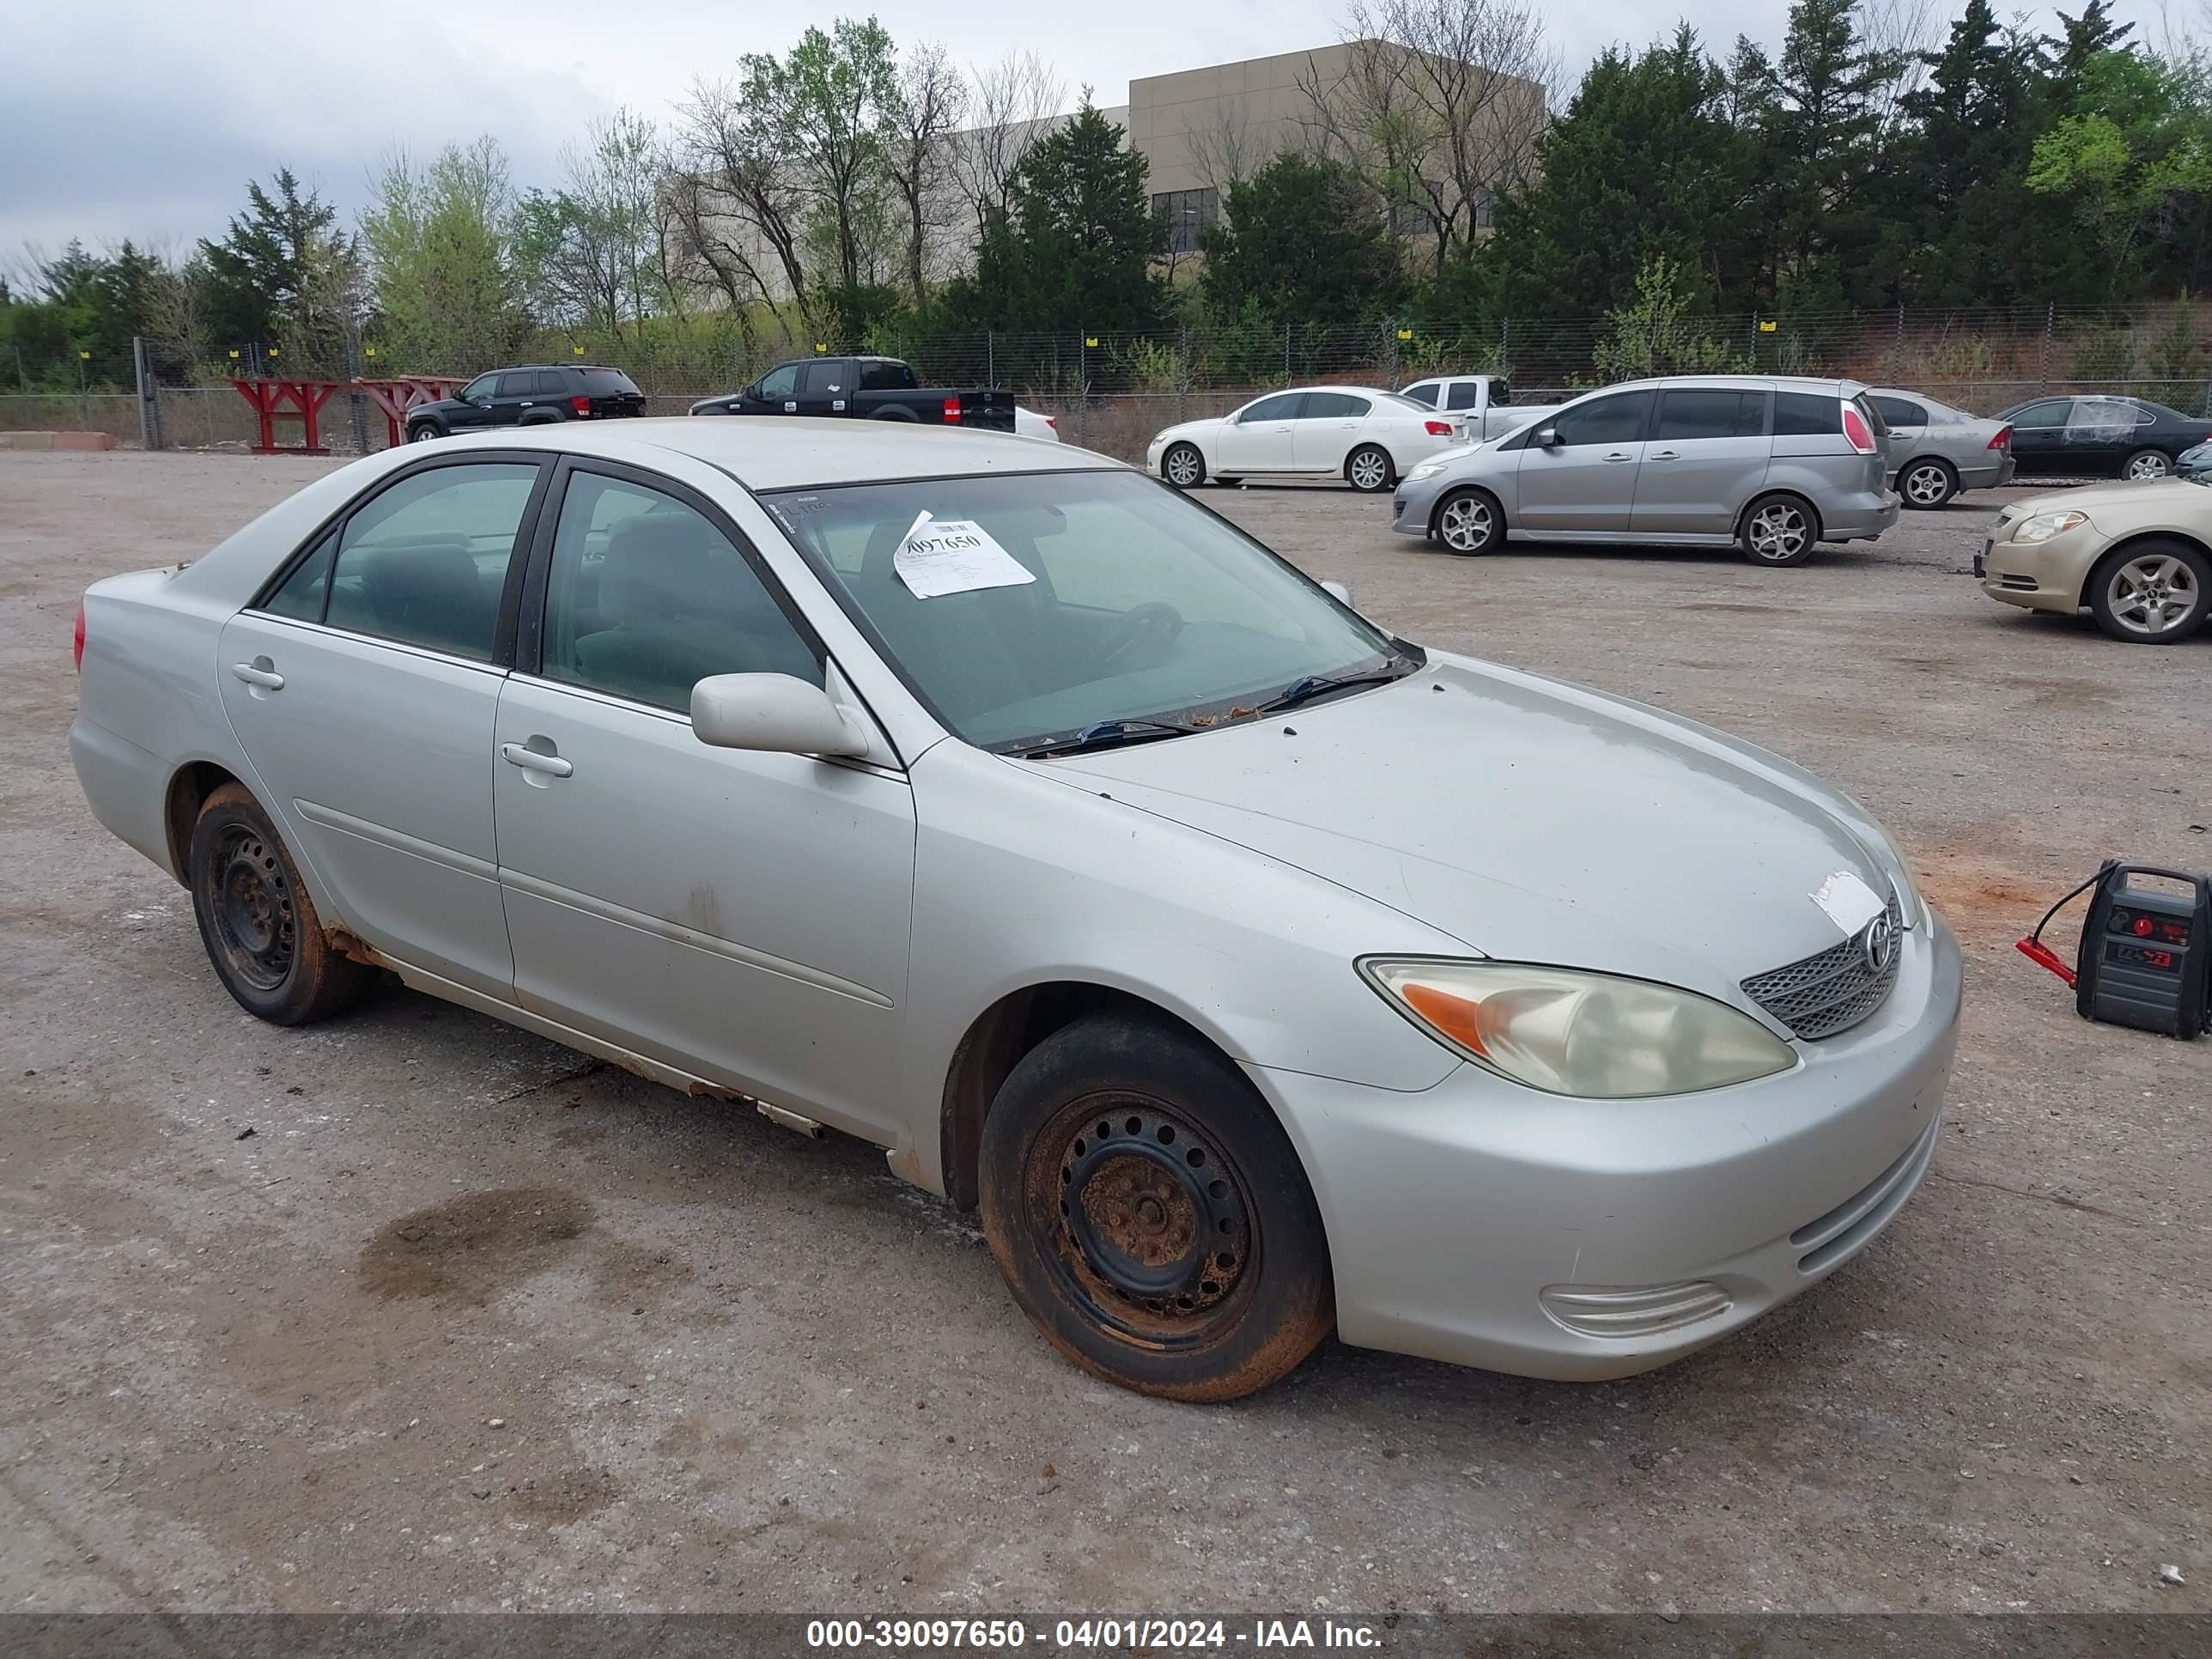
(1053, 421)
(952, 411)
(1438, 428)
(77, 645)
(2003, 440)
(1857, 431)
(581, 404)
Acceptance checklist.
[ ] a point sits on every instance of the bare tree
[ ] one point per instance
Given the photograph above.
(1225, 151)
(918, 147)
(738, 201)
(1896, 32)
(1440, 103)
(1012, 102)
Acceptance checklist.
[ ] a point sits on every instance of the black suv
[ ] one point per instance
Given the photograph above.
(533, 395)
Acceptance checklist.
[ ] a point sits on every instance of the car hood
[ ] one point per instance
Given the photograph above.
(1532, 820)
(2157, 498)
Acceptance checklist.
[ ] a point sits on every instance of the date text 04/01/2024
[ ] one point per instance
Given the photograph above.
(1181, 1635)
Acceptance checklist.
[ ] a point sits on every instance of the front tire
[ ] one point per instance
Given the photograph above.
(423, 432)
(1151, 1216)
(1469, 522)
(256, 920)
(1928, 483)
(1183, 466)
(2152, 592)
(1778, 531)
(1370, 470)
(2148, 464)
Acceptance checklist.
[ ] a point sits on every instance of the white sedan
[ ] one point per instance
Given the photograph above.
(1030, 423)
(1368, 438)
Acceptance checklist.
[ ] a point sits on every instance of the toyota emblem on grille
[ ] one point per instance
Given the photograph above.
(1879, 942)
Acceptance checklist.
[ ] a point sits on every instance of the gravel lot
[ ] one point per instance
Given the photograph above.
(413, 1311)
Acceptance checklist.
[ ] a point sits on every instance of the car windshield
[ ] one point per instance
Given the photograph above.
(1112, 600)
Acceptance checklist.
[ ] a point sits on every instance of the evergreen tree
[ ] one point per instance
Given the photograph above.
(1818, 128)
(285, 271)
(1306, 241)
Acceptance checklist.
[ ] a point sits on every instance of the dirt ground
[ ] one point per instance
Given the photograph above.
(413, 1311)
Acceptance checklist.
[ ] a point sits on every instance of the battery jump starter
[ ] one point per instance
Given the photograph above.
(2144, 949)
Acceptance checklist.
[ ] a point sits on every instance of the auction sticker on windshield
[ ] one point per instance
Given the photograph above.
(954, 555)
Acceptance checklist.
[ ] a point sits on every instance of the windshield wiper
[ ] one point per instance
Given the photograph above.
(1110, 735)
(1314, 685)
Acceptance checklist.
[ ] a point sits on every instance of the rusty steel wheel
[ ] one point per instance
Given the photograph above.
(258, 922)
(1150, 1214)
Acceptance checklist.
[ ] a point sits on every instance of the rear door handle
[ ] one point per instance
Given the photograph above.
(532, 760)
(1620, 455)
(267, 679)
(1665, 455)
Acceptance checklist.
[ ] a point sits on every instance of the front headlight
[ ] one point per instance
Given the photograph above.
(2044, 525)
(1597, 1037)
(1425, 470)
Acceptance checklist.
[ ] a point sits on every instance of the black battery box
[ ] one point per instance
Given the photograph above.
(2145, 950)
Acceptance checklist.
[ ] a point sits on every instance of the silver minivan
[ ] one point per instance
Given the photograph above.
(1770, 464)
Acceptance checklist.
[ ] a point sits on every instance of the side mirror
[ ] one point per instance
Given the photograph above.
(1341, 593)
(773, 713)
(1547, 437)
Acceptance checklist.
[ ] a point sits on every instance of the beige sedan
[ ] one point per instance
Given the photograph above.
(2134, 553)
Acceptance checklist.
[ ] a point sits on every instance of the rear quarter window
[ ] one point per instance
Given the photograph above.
(1807, 414)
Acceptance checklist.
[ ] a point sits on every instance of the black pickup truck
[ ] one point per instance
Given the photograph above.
(867, 388)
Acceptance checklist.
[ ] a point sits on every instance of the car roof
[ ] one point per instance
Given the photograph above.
(790, 451)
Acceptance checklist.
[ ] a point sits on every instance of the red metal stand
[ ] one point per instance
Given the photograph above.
(303, 401)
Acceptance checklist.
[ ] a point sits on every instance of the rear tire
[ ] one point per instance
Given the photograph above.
(1469, 522)
(1183, 466)
(1927, 483)
(1778, 531)
(423, 432)
(2151, 592)
(1370, 470)
(1150, 1214)
(2148, 464)
(256, 920)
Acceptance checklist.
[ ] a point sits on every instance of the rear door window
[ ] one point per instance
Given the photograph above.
(1333, 406)
(1690, 413)
(827, 379)
(1807, 414)
(1900, 411)
(1467, 394)
(424, 563)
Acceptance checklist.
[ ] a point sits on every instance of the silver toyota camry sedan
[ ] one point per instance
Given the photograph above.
(1256, 973)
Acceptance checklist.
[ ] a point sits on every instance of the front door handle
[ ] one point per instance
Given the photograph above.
(791, 409)
(534, 760)
(253, 674)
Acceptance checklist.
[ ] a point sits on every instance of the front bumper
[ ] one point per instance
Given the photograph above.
(1413, 507)
(1489, 1225)
(2045, 575)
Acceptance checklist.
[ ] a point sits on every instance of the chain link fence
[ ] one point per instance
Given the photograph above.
(1110, 390)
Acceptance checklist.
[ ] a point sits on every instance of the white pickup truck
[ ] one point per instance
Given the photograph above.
(1483, 401)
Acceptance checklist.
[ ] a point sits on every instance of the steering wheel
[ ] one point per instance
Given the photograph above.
(1154, 620)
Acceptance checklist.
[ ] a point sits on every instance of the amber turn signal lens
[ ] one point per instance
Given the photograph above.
(1459, 1018)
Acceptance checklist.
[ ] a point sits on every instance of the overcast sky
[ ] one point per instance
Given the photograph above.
(145, 117)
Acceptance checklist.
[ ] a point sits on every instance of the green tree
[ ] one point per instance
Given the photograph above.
(446, 291)
(1963, 226)
(2131, 158)
(1818, 123)
(1306, 240)
(588, 253)
(1644, 164)
(1076, 250)
(285, 274)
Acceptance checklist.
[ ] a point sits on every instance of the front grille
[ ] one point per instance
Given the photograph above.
(1831, 991)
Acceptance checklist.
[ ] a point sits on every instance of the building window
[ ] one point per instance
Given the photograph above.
(1186, 212)
(1484, 207)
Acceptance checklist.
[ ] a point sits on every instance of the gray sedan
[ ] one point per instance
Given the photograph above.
(1254, 973)
(1935, 451)
(1771, 467)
